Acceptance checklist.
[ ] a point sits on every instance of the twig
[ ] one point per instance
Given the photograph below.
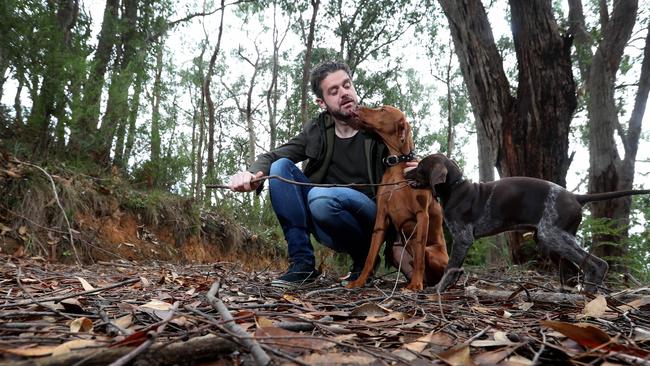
(151, 337)
(58, 202)
(541, 349)
(325, 185)
(260, 357)
(63, 297)
(33, 300)
(444, 277)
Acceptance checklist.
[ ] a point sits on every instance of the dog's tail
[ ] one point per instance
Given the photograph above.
(585, 198)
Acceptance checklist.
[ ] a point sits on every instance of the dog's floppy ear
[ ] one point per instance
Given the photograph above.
(404, 129)
(438, 175)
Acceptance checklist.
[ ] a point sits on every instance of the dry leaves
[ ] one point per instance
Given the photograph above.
(495, 324)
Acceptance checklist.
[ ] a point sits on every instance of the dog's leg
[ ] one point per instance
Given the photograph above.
(421, 231)
(565, 245)
(463, 239)
(378, 234)
(435, 253)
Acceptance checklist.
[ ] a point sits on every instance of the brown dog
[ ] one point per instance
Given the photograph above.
(475, 210)
(413, 212)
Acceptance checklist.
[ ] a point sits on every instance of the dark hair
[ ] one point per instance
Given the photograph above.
(321, 71)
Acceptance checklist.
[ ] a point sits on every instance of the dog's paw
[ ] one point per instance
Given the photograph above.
(355, 284)
(415, 287)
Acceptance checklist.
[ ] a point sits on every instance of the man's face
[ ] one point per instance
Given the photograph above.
(339, 96)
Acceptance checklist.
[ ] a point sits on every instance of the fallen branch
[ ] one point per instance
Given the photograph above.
(178, 353)
(260, 357)
(68, 296)
(536, 296)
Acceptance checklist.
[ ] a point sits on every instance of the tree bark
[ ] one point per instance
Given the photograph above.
(304, 86)
(208, 98)
(88, 118)
(484, 76)
(117, 103)
(607, 172)
(53, 75)
(526, 135)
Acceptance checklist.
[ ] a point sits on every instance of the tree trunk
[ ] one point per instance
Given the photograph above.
(484, 76)
(88, 115)
(123, 160)
(528, 135)
(304, 86)
(607, 172)
(53, 84)
(117, 104)
(211, 110)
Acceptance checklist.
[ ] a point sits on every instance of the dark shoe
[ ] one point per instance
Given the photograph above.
(354, 273)
(296, 276)
(357, 268)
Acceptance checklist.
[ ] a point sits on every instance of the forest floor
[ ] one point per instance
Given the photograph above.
(133, 302)
(125, 312)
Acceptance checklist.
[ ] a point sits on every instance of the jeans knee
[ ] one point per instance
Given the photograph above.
(323, 207)
(281, 166)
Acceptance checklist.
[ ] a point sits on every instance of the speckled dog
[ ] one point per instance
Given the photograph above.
(475, 210)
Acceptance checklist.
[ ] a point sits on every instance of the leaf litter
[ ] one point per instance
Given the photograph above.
(164, 314)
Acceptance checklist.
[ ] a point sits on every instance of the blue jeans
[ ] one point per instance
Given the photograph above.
(340, 218)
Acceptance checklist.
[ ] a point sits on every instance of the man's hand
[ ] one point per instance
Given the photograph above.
(241, 182)
(410, 165)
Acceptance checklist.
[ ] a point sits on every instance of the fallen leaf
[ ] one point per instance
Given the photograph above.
(87, 286)
(595, 308)
(393, 315)
(289, 341)
(156, 304)
(368, 309)
(500, 339)
(263, 322)
(586, 335)
(82, 324)
(410, 351)
(357, 358)
(517, 361)
(30, 352)
(457, 356)
(73, 345)
(493, 357)
(72, 305)
(145, 282)
(636, 304)
(525, 306)
(124, 321)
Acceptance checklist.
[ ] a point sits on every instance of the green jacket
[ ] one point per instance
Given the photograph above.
(315, 144)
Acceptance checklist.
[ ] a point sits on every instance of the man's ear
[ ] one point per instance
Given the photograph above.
(321, 103)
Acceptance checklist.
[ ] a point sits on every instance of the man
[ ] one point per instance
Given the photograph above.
(336, 151)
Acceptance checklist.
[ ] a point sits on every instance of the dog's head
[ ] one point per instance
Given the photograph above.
(430, 172)
(388, 122)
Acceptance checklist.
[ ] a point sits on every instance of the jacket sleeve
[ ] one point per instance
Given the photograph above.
(294, 150)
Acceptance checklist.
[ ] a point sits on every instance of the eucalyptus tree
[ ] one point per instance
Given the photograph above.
(86, 114)
(525, 133)
(600, 73)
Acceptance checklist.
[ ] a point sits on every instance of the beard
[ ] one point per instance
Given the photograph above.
(344, 115)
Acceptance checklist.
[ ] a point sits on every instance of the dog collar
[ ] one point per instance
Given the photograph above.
(392, 160)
